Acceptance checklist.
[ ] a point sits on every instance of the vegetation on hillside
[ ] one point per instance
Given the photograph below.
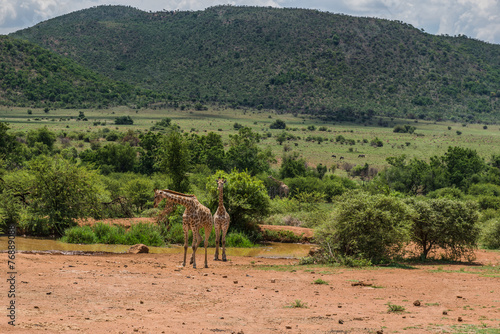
(31, 76)
(293, 60)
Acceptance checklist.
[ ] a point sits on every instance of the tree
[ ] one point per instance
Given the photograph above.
(138, 191)
(9, 147)
(368, 227)
(43, 136)
(113, 157)
(124, 120)
(282, 137)
(292, 166)
(150, 143)
(245, 198)
(175, 160)
(445, 223)
(462, 166)
(244, 154)
(61, 192)
(278, 124)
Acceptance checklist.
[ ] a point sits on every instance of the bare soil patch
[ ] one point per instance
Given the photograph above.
(151, 293)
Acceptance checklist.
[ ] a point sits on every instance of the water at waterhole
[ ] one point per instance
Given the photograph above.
(271, 250)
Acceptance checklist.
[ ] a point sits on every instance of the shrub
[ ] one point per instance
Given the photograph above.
(245, 198)
(278, 124)
(124, 120)
(79, 235)
(486, 189)
(234, 239)
(450, 193)
(448, 224)
(365, 227)
(490, 234)
(146, 234)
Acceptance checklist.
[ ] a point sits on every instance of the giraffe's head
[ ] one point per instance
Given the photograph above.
(158, 197)
(220, 183)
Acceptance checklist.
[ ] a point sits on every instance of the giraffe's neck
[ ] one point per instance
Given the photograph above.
(221, 198)
(186, 201)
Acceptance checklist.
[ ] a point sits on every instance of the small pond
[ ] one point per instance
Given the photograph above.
(278, 250)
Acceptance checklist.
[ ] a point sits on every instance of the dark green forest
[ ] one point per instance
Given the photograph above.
(339, 67)
(33, 76)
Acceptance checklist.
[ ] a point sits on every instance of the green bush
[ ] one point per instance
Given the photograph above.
(365, 227)
(147, 234)
(238, 239)
(489, 202)
(79, 235)
(448, 224)
(245, 199)
(450, 193)
(490, 234)
(485, 189)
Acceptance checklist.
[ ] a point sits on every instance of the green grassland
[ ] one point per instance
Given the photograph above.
(429, 139)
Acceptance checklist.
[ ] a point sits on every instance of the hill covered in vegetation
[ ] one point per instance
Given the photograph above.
(293, 60)
(33, 76)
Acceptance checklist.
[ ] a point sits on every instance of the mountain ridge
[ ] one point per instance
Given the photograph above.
(293, 60)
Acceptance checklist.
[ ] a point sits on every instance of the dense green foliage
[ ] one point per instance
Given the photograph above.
(245, 199)
(367, 227)
(33, 76)
(337, 66)
(448, 224)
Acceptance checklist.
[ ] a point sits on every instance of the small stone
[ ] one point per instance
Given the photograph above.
(273, 281)
(141, 302)
(459, 297)
(235, 282)
(49, 293)
(416, 303)
(224, 276)
(288, 327)
(341, 322)
(460, 319)
(445, 312)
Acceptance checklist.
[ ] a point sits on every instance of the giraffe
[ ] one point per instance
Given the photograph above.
(283, 189)
(195, 217)
(221, 222)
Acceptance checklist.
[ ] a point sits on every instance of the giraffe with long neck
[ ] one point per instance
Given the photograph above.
(195, 217)
(221, 222)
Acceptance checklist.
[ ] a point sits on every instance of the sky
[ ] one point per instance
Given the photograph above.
(479, 19)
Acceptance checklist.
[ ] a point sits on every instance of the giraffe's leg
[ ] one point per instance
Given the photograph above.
(224, 231)
(186, 236)
(195, 245)
(192, 246)
(208, 230)
(217, 239)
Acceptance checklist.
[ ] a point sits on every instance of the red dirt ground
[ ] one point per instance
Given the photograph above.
(151, 293)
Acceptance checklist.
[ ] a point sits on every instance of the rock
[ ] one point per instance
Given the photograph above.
(416, 303)
(445, 313)
(460, 319)
(139, 248)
